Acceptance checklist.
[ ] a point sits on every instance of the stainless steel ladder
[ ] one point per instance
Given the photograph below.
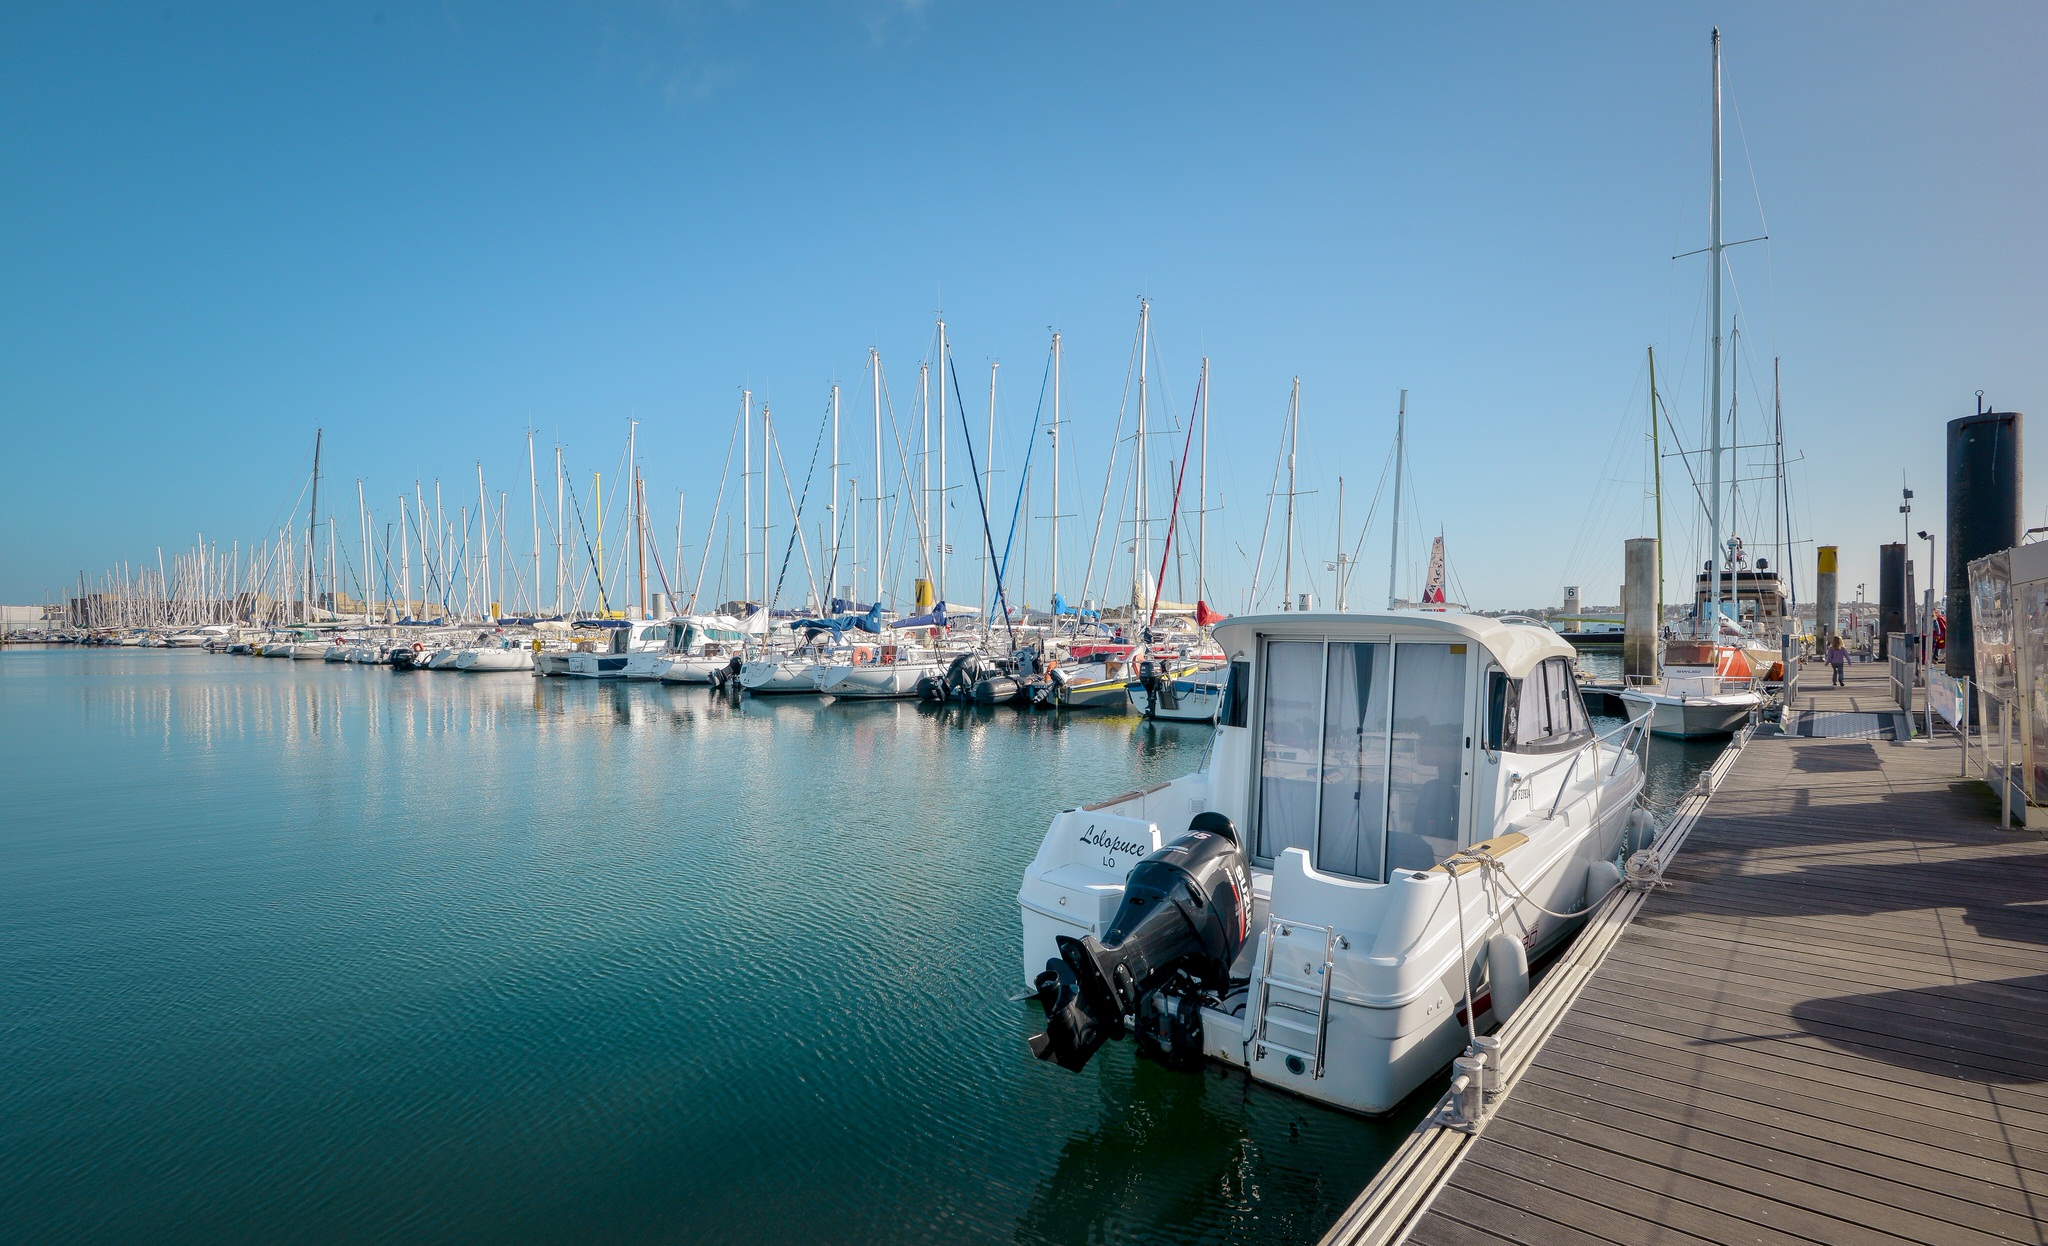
(1311, 1050)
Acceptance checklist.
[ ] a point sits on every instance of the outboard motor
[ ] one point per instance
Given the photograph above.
(1185, 916)
(966, 671)
(1152, 677)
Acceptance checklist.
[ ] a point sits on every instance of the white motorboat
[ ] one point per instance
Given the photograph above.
(1707, 690)
(211, 637)
(700, 646)
(616, 650)
(1357, 870)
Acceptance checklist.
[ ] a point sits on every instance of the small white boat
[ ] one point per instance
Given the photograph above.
(700, 646)
(1707, 690)
(608, 651)
(1360, 869)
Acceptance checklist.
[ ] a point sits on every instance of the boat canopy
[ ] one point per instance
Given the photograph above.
(1515, 647)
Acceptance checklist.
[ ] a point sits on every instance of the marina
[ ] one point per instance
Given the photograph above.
(1242, 627)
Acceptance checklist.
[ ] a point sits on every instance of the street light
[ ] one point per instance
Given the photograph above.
(1927, 631)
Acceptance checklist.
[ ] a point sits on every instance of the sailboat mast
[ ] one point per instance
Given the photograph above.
(533, 508)
(1293, 440)
(1340, 545)
(988, 484)
(1400, 462)
(363, 518)
(312, 518)
(875, 368)
(483, 535)
(747, 494)
(1714, 410)
(1141, 549)
(1657, 479)
(561, 563)
(924, 463)
(832, 504)
(1201, 497)
(1782, 515)
(767, 500)
(1055, 583)
(945, 503)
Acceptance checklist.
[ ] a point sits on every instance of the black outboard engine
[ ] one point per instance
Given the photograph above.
(1152, 677)
(1186, 914)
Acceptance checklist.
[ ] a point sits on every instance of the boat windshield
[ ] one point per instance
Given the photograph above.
(1361, 755)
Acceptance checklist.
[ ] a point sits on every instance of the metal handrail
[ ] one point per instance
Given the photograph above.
(1638, 724)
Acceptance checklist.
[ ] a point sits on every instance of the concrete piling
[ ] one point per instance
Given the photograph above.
(1639, 609)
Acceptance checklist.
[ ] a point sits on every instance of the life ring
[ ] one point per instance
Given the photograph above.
(417, 647)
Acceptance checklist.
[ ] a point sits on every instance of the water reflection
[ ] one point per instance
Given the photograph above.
(447, 956)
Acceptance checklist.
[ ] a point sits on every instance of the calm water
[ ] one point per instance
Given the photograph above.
(291, 951)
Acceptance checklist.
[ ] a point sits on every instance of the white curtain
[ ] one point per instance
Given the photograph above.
(1429, 754)
(1288, 751)
(1354, 780)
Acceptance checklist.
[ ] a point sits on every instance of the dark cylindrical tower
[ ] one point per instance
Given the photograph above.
(1984, 488)
(1891, 595)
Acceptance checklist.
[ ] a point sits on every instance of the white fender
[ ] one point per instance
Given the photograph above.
(1642, 832)
(1601, 878)
(1507, 971)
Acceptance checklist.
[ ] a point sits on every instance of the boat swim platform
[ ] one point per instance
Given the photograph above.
(1827, 1027)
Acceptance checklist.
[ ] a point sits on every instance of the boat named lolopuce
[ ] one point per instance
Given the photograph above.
(1395, 808)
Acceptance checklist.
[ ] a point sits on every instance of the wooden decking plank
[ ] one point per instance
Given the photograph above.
(1771, 1195)
(1479, 1181)
(1810, 1062)
(1971, 1003)
(1645, 1188)
(1490, 1217)
(1823, 963)
(1916, 1006)
(1911, 1190)
(2020, 932)
(1979, 1150)
(1901, 1044)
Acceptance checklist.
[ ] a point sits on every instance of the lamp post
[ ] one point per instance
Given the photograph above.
(1927, 632)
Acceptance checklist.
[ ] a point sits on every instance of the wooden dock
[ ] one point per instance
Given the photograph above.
(1831, 1026)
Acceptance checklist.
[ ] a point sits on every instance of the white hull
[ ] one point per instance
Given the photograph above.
(878, 681)
(495, 660)
(1356, 972)
(1692, 718)
(688, 670)
(1192, 698)
(787, 676)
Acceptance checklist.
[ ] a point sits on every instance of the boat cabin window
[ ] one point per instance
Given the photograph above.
(1237, 694)
(1362, 753)
(1548, 714)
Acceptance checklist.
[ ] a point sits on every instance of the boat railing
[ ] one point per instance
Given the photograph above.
(1630, 738)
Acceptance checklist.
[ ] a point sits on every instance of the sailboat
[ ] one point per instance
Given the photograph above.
(1708, 686)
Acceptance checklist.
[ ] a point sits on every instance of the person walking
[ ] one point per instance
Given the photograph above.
(1838, 658)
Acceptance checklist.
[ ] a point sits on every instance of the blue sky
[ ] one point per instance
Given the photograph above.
(427, 229)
